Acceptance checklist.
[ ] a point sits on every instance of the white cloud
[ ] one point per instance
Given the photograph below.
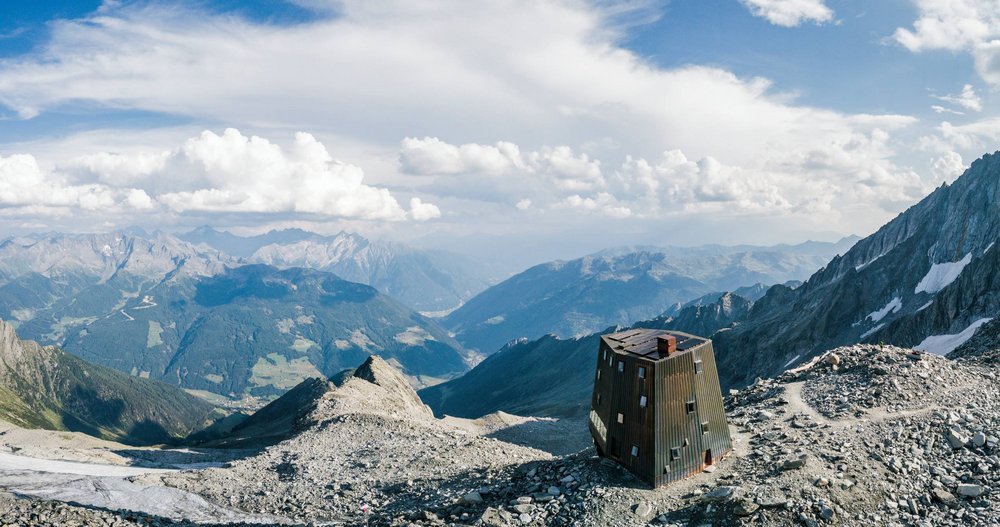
(211, 173)
(26, 189)
(421, 211)
(790, 13)
(602, 203)
(977, 136)
(968, 99)
(853, 172)
(948, 166)
(532, 73)
(942, 109)
(958, 25)
(499, 171)
(519, 69)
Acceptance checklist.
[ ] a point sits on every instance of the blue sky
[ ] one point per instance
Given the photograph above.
(593, 124)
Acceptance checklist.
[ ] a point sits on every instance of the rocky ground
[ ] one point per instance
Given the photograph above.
(865, 435)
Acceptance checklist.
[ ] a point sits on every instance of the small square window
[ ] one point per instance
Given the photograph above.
(642, 372)
(635, 451)
(621, 366)
(621, 418)
(689, 407)
(642, 401)
(698, 367)
(704, 427)
(675, 453)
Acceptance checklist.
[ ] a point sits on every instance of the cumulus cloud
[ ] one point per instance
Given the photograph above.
(790, 13)
(958, 25)
(948, 166)
(499, 171)
(851, 171)
(421, 211)
(26, 188)
(210, 173)
(602, 203)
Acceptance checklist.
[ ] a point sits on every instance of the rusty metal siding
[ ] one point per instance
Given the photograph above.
(708, 389)
(620, 393)
(665, 423)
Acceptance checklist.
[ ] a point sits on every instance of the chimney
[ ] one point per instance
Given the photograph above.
(666, 344)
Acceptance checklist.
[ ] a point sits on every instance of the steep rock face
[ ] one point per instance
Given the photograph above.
(705, 319)
(931, 271)
(554, 377)
(44, 387)
(622, 286)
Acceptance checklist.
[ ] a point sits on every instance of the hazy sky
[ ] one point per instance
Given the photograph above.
(560, 126)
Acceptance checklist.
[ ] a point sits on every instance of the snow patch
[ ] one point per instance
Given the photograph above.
(988, 247)
(942, 275)
(495, 320)
(869, 262)
(945, 344)
(57, 466)
(789, 363)
(893, 306)
(872, 331)
(925, 306)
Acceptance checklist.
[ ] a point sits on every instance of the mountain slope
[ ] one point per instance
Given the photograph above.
(48, 388)
(256, 330)
(926, 279)
(551, 376)
(620, 287)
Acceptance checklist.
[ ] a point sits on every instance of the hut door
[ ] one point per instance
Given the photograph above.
(708, 457)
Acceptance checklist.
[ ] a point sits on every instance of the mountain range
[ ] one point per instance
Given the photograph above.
(624, 285)
(156, 306)
(425, 280)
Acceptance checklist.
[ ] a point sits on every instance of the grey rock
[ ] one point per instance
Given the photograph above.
(719, 494)
(793, 463)
(970, 490)
(643, 510)
(472, 498)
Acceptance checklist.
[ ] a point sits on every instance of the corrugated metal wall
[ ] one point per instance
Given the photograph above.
(665, 423)
(620, 392)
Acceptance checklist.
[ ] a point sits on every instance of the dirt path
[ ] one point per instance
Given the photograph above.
(798, 405)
